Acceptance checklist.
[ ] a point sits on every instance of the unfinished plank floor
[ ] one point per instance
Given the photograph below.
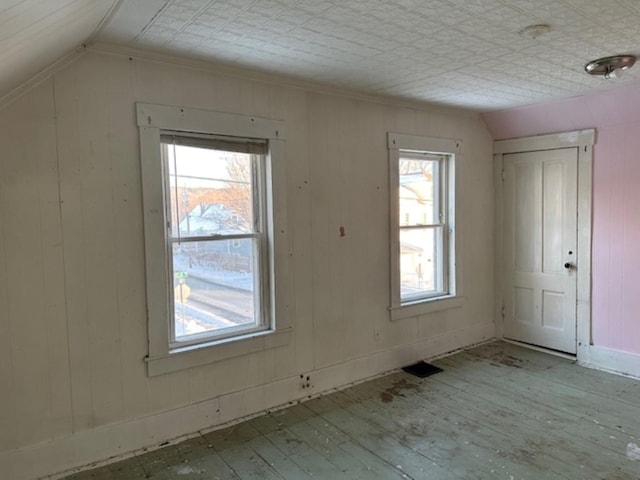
(497, 411)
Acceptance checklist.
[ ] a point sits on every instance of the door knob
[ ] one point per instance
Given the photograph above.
(568, 265)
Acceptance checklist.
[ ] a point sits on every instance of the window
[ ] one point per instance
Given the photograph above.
(422, 193)
(210, 181)
(422, 224)
(217, 234)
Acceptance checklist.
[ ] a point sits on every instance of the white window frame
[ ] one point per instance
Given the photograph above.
(257, 235)
(152, 121)
(452, 150)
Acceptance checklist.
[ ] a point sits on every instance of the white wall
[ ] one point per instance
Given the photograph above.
(72, 286)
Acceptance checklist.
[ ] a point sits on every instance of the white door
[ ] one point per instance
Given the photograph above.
(540, 225)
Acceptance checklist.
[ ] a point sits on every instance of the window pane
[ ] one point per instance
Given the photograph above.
(418, 192)
(210, 191)
(214, 287)
(421, 272)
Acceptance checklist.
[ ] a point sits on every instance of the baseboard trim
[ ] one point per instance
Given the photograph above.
(114, 442)
(613, 361)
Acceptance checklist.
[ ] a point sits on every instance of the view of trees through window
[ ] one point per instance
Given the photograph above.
(214, 238)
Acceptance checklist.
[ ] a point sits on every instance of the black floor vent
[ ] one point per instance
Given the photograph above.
(422, 369)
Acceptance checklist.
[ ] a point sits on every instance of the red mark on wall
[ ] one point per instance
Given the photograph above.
(342, 234)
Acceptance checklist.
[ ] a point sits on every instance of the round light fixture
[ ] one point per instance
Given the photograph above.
(610, 67)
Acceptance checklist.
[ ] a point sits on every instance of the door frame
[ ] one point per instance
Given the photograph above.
(583, 141)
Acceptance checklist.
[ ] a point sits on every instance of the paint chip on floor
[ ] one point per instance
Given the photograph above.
(633, 452)
(187, 470)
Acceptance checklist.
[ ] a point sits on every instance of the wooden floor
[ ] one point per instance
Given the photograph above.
(496, 412)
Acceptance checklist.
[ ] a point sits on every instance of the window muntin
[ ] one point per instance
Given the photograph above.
(216, 234)
(423, 229)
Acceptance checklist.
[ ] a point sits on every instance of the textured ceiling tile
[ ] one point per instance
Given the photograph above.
(200, 30)
(268, 8)
(602, 11)
(450, 50)
(278, 27)
(192, 4)
(159, 33)
(295, 17)
(507, 17)
(444, 13)
(416, 23)
(631, 5)
(313, 6)
(180, 13)
(475, 6)
(224, 11)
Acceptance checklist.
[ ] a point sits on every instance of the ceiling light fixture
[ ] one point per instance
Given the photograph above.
(610, 67)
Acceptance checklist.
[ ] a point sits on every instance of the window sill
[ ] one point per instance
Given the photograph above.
(194, 356)
(424, 306)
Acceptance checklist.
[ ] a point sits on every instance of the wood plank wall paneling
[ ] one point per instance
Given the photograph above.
(88, 208)
(53, 273)
(608, 212)
(72, 285)
(7, 370)
(48, 32)
(78, 340)
(615, 238)
(320, 148)
(298, 152)
(369, 227)
(127, 212)
(35, 402)
(25, 285)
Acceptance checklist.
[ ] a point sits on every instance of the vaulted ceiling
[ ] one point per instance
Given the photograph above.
(465, 53)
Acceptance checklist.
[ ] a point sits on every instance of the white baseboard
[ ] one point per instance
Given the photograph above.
(113, 442)
(613, 361)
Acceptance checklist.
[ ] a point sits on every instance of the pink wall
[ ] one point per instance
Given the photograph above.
(616, 199)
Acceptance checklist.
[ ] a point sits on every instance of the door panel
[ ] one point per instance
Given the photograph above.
(540, 195)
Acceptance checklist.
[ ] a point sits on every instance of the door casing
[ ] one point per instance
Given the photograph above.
(584, 141)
